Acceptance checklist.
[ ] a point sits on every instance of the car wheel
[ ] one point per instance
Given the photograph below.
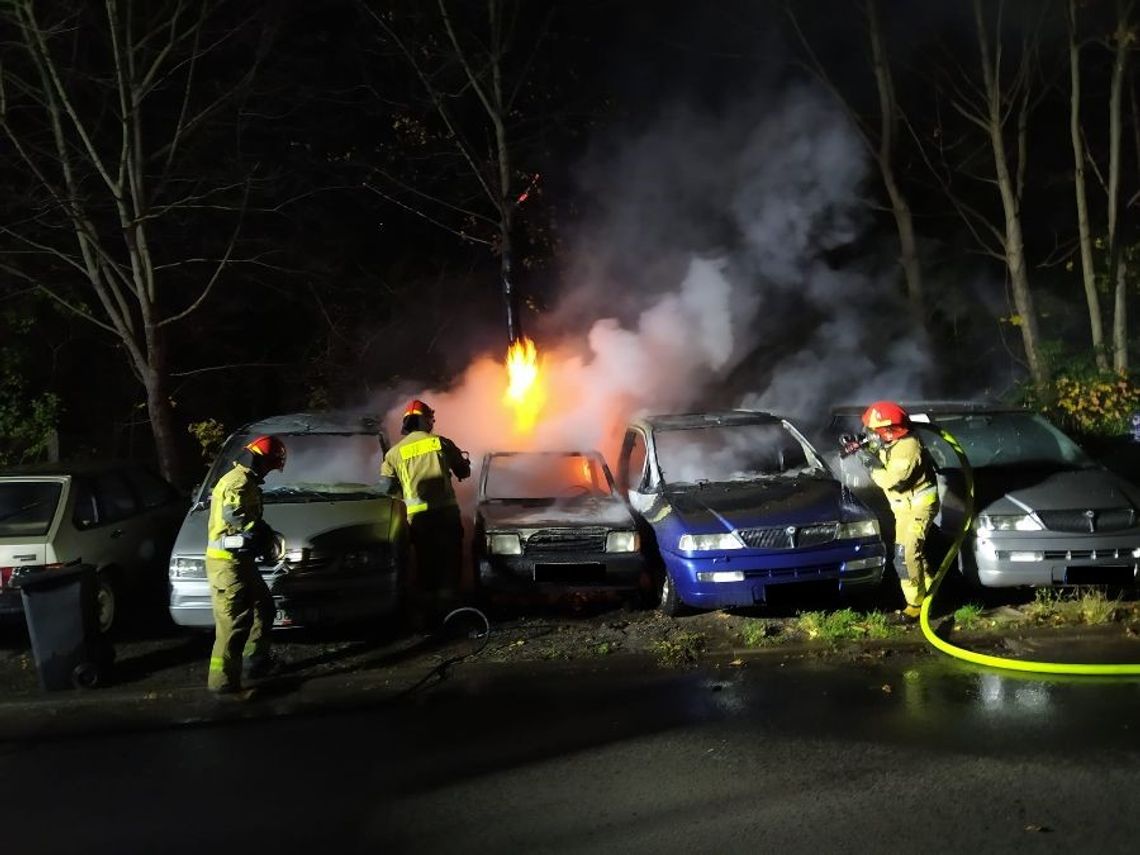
(106, 603)
(670, 604)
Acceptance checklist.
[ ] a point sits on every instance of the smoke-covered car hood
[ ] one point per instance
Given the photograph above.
(771, 502)
(500, 514)
(360, 521)
(1018, 490)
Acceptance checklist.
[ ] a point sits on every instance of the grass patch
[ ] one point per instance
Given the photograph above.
(844, 625)
(968, 616)
(1091, 607)
(604, 648)
(758, 633)
(682, 649)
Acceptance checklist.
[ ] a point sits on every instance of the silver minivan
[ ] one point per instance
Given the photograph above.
(120, 518)
(1045, 513)
(346, 538)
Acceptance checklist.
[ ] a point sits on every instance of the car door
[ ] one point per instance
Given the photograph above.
(633, 479)
(119, 520)
(160, 512)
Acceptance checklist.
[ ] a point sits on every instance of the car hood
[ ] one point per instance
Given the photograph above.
(776, 502)
(302, 523)
(500, 514)
(1015, 491)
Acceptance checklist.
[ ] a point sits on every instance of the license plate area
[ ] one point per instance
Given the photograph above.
(1102, 575)
(571, 573)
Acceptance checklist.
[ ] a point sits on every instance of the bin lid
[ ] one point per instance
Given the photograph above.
(39, 579)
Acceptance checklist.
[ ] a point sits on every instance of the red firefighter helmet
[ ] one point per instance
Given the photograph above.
(416, 407)
(269, 447)
(887, 419)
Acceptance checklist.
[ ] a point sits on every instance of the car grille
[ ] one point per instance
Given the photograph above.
(789, 537)
(1087, 522)
(1086, 554)
(591, 539)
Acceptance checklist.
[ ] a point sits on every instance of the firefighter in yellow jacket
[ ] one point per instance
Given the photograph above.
(243, 606)
(903, 469)
(422, 464)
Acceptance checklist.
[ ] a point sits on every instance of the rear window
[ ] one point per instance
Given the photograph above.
(546, 476)
(28, 507)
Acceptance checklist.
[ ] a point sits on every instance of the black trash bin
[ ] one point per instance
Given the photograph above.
(62, 612)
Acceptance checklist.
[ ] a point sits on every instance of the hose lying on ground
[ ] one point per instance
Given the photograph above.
(1090, 668)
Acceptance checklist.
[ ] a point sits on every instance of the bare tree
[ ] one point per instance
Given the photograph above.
(1122, 41)
(881, 142)
(100, 105)
(996, 106)
(462, 71)
(1084, 229)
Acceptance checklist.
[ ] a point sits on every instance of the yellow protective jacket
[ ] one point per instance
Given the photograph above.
(907, 476)
(235, 508)
(423, 463)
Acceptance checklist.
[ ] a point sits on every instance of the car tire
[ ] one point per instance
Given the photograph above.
(670, 603)
(107, 602)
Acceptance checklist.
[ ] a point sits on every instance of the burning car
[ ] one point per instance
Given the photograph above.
(346, 539)
(739, 502)
(1045, 513)
(551, 522)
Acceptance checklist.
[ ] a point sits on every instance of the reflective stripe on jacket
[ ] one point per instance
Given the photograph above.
(423, 464)
(907, 476)
(235, 507)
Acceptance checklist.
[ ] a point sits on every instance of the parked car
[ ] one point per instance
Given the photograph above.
(346, 539)
(1046, 514)
(120, 518)
(740, 502)
(551, 522)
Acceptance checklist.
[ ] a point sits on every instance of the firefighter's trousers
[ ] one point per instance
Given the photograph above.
(437, 538)
(243, 617)
(912, 522)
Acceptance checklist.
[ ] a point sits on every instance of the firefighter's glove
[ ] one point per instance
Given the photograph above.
(849, 444)
(869, 460)
(265, 543)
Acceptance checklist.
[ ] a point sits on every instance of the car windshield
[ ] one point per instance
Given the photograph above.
(318, 466)
(527, 477)
(1004, 439)
(27, 507)
(722, 453)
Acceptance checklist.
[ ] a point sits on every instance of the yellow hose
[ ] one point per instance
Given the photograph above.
(1089, 668)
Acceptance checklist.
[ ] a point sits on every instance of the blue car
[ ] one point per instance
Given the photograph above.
(739, 502)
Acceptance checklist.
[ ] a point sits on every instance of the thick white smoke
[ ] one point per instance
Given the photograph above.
(703, 277)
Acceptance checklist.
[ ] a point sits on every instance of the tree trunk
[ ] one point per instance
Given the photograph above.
(1117, 265)
(163, 424)
(1088, 271)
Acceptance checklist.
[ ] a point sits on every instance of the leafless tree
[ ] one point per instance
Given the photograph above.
(1123, 39)
(100, 107)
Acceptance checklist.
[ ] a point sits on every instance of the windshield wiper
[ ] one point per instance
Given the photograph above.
(23, 510)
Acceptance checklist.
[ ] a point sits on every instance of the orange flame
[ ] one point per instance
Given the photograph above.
(524, 389)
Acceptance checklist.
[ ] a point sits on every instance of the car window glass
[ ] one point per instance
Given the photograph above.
(1004, 439)
(85, 512)
(151, 490)
(116, 501)
(27, 507)
(545, 476)
(637, 456)
(730, 452)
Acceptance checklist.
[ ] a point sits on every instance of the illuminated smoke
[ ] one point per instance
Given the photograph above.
(701, 276)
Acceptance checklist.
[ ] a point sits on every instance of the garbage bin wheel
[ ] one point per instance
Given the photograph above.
(85, 675)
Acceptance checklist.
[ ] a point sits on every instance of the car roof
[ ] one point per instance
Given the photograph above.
(74, 467)
(685, 421)
(328, 421)
(935, 406)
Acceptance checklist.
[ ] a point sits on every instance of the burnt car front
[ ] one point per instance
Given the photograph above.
(551, 522)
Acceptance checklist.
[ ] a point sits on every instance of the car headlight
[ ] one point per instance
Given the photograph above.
(860, 528)
(623, 541)
(709, 542)
(504, 544)
(1008, 522)
(182, 567)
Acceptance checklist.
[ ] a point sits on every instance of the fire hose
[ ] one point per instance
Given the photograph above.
(988, 660)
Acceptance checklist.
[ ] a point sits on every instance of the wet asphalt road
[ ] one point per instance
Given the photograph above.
(916, 754)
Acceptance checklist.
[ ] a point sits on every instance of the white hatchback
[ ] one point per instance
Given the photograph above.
(118, 517)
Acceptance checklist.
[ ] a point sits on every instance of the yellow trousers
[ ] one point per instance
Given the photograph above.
(911, 526)
(243, 617)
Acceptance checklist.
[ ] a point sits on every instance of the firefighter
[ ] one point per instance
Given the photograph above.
(422, 463)
(901, 466)
(243, 606)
